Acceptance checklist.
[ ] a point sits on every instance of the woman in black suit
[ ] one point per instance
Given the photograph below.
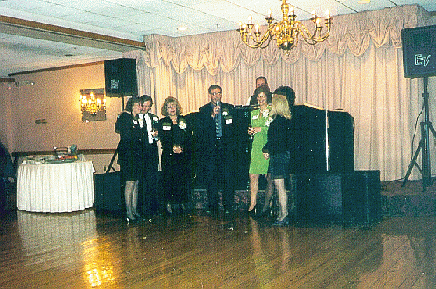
(130, 157)
(175, 137)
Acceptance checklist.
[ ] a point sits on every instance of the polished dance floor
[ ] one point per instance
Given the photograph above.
(85, 250)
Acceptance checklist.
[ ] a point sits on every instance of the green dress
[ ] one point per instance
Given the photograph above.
(258, 164)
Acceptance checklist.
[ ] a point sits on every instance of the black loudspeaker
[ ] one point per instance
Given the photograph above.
(341, 142)
(419, 51)
(362, 200)
(108, 195)
(120, 77)
(349, 199)
(318, 198)
(313, 128)
(309, 149)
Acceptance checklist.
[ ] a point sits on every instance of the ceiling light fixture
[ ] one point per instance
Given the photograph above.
(286, 32)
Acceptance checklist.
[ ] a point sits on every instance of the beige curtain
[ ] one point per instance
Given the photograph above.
(359, 69)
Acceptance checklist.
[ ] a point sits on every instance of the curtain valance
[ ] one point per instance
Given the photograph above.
(224, 50)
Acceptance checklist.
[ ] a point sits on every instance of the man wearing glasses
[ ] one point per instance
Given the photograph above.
(216, 147)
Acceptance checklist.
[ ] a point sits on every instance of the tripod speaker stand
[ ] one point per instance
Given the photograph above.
(424, 145)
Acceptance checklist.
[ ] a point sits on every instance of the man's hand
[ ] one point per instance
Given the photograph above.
(216, 110)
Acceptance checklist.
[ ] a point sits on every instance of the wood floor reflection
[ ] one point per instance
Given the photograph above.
(82, 250)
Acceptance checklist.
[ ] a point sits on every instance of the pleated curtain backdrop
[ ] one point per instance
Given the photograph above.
(359, 69)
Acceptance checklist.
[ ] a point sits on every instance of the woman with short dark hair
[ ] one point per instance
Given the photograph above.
(130, 157)
(260, 119)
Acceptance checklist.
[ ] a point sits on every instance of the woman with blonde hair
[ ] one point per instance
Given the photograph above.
(278, 146)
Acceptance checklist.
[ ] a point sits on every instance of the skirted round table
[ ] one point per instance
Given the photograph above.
(55, 188)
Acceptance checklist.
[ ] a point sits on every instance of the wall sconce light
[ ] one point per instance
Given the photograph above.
(93, 104)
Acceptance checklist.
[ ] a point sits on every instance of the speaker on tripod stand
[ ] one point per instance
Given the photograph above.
(419, 59)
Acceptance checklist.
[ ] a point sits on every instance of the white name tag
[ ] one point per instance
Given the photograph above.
(166, 127)
(255, 117)
(229, 121)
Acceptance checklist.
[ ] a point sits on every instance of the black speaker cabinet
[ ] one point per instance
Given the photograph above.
(323, 141)
(419, 51)
(108, 195)
(350, 198)
(120, 77)
(341, 142)
(309, 150)
(318, 198)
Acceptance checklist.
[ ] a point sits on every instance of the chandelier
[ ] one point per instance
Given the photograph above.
(286, 32)
(93, 104)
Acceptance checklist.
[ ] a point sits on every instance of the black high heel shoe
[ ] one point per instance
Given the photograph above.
(130, 220)
(266, 212)
(281, 223)
(130, 217)
(253, 213)
(138, 217)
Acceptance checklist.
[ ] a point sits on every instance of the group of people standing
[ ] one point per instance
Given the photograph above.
(138, 156)
(213, 139)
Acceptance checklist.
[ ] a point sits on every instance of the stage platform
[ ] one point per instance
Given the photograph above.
(409, 200)
(397, 201)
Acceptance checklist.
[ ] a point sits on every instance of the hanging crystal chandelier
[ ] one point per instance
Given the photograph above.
(286, 32)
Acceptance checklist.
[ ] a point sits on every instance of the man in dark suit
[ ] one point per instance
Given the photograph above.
(261, 80)
(216, 146)
(150, 200)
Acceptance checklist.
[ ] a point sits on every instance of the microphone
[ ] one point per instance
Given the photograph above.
(217, 104)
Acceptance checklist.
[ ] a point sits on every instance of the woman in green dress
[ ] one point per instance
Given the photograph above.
(260, 120)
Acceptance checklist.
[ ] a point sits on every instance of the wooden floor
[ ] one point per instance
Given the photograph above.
(85, 250)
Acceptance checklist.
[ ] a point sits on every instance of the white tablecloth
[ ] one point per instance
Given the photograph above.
(55, 188)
